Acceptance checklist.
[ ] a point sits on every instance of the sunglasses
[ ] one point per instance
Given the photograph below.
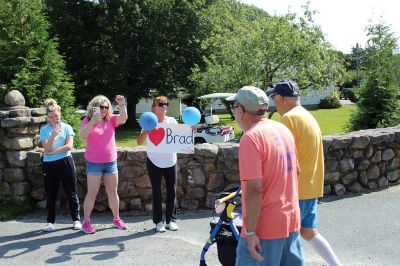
(162, 104)
(103, 107)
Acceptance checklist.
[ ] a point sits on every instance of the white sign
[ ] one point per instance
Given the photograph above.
(171, 138)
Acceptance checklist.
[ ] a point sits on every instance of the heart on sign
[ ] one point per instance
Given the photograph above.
(157, 135)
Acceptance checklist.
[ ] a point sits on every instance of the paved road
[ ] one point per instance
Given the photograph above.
(362, 229)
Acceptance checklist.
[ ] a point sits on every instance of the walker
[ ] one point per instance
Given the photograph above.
(226, 230)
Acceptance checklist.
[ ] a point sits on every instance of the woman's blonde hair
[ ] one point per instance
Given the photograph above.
(51, 106)
(158, 99)
(97, 101)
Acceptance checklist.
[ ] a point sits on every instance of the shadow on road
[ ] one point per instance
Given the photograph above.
(22, 247)
(66, 252)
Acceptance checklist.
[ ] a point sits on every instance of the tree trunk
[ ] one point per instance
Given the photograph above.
(132, 122)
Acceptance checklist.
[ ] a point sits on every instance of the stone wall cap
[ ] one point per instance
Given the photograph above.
(14, 98)
(206, 149)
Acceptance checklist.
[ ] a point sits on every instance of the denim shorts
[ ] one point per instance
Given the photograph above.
(281, 251)
(308, 211)
(99, 169)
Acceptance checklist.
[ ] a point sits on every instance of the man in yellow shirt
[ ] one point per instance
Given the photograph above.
(308, 139)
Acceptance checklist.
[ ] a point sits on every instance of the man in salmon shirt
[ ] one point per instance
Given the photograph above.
(268, 175)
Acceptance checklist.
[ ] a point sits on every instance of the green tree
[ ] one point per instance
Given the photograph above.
(135, 47)
(249, 47)
(377, 105)
(294, 47)
(29, 60)
(231, 55)
(75, 24)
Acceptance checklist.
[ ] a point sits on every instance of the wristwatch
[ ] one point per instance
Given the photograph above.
(250, 233)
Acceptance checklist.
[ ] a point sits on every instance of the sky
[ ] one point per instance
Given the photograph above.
(342, 21)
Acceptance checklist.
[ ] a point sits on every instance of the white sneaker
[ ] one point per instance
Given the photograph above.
(160, 227)
(172, 226)
(49, 227)
(77, 225)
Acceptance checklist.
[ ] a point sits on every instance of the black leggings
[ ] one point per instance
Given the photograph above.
(63, 171)
(169, 174)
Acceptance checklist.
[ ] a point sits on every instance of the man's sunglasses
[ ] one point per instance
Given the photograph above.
(103, 107)
(162, 104)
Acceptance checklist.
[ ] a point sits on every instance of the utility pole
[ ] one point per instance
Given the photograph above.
(357, 55)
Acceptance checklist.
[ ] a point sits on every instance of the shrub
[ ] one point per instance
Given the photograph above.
(331, 102)
(377, 103)
(30, 61)
(352, 94)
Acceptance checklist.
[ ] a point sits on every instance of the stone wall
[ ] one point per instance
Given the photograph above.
(362, 160)
(200, 177)
(19, 134)
(356, 162)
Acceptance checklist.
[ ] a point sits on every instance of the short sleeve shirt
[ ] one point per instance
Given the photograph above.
(267, 152)
(100, 143)
(59, 141)
(308, 138)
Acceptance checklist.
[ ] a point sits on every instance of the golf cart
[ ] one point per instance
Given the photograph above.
(210, 131)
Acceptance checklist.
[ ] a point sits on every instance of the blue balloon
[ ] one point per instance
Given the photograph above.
(148, 121)
(191, 116)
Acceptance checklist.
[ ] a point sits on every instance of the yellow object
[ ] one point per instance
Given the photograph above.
(229, 210)
(307, 136)
(222, 200)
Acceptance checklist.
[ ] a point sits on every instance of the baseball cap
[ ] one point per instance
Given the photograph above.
(254, 100)
(286, 88)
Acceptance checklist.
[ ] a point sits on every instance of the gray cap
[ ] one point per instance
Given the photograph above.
(254, 100)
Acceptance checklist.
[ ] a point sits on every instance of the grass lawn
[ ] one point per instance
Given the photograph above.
(126, 137)
(331, 121)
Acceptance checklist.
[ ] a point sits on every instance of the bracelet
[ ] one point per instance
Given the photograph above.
(250, 233)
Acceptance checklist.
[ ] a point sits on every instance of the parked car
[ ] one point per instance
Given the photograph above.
(211, 131)
(82, 112)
